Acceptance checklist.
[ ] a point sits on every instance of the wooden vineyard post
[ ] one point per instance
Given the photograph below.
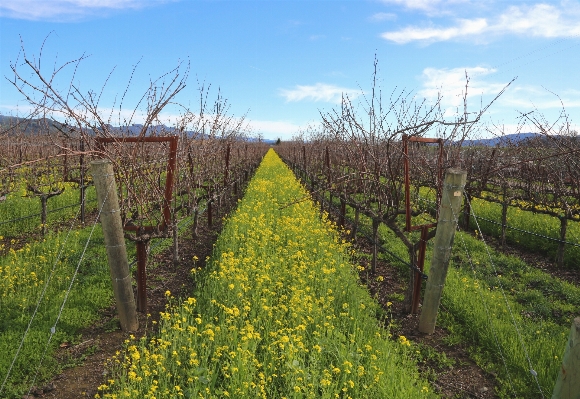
(375, 245)
(562, 243)
(356, 221)
(115, 243)
(141, 232)
(568, 382)
(82, 180)
(446, 225)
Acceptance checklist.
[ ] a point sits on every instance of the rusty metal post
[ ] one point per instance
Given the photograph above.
(420, 265)
(341, 220)
(142, 276)
(209, 213)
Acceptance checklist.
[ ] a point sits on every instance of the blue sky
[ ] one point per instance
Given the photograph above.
(282, 62)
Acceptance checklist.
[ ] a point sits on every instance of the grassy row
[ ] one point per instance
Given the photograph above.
(278, 314)
(18, 205)
(23, 276)
(514, 318)
(541, 224)
(24, 273)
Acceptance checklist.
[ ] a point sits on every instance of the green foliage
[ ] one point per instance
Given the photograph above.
(541, 224)
(511, 316)
(24, 273)
(21, 204)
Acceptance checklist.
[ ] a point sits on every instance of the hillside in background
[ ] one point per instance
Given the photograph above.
(32, 127)
(517, 138)
(502, 140)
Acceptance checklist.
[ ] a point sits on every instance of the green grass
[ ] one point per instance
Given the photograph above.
(279, 314)
(541, 224)
(511, 316)
(23, 275)
(18, 205)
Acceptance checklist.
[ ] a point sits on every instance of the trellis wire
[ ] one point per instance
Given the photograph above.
(520, 339)
(532, 233)
(520, 230)
(73, 279)
(50, 211)
(43, 292)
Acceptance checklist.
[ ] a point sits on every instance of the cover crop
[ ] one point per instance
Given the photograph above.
(278, 313)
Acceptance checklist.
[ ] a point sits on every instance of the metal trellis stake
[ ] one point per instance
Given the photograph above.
(417, 276)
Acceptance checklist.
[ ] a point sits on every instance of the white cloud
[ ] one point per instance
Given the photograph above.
(67, 10)
(427, 6)
(319, 92)
(415, 4)
(383, 16)
(543, 20)
(450, 85)
(464, 27)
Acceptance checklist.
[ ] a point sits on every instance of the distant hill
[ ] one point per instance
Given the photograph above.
(28, 126)
(522, 138)
(503, 140)
(33, 127)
